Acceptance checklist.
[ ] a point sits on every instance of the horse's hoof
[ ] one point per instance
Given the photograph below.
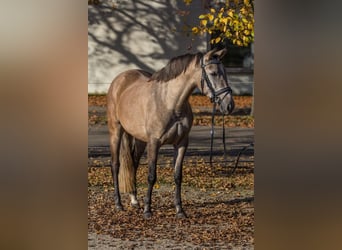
(147, 215)
(181, 215)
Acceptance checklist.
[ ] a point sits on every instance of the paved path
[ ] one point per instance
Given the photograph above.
(199, 145)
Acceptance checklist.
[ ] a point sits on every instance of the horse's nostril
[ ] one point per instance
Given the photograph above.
(231, 107)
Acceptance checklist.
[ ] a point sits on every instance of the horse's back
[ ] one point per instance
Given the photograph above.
(125, 80)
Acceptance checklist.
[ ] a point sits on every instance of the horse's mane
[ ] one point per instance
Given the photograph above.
(175, 67)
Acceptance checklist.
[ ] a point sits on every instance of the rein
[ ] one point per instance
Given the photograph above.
(215, 99)
(212, 135)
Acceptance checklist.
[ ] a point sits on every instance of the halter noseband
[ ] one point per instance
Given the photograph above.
(214, 93)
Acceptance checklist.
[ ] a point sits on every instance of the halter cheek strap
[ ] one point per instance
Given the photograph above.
(214, 93)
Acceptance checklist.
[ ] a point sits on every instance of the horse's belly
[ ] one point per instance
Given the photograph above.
(135, 127)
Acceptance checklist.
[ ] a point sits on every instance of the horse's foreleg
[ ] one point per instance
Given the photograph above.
(178, 163)
(115, 140)
(152, 153)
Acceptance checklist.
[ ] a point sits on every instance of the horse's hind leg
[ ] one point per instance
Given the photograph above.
(115, 132)
(178, 163)
(138, 150)
(152, 154)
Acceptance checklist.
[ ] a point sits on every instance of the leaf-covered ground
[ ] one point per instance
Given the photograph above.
(219, 207)
(201, 107)
(195, 100)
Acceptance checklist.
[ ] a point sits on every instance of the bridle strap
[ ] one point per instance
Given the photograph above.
(225, 90)
(215, 100)
(214, 93)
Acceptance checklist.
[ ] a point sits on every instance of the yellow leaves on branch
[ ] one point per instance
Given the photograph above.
(195, 30)
(204, 22)
(206, 17)
(230, 22)
(217, 39)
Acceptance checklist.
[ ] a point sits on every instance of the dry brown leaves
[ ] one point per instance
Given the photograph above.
(203, 101)
(229, 121)
(219, 207)
(97, 100)
(241, 118)
(195, 100)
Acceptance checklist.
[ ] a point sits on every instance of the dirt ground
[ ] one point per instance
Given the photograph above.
(220, 206)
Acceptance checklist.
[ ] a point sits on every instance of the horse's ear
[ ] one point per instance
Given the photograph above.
(209, 54)
(221, 53)
(216, 53)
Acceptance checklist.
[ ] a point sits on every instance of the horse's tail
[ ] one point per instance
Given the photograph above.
(127, 171)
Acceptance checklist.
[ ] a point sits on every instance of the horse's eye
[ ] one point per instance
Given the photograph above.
(213, 74)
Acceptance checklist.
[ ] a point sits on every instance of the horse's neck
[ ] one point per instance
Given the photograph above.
(180, 89)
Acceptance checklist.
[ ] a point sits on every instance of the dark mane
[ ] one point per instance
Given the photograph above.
(175, 67)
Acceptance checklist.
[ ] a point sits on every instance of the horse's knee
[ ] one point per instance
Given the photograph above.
(152, 174)
(151, 178)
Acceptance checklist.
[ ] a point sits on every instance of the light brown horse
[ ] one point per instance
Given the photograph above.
(153, 110)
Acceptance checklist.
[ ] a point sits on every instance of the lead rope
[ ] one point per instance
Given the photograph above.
(212, 134)
(224, 139)
(224, 142)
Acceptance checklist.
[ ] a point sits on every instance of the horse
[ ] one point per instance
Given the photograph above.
(147, 110)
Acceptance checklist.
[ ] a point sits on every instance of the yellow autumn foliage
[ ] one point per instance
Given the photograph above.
(234, 21)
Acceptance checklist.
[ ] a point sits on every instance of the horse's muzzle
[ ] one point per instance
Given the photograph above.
(231, 107)
(228, 108)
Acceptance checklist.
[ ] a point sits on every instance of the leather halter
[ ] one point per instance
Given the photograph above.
(215, 94)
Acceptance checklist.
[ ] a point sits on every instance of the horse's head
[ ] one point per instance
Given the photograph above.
(214, 81)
